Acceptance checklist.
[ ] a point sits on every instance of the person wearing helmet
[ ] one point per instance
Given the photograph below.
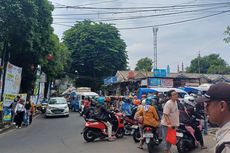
(126, 107)
(150, 117)
(104, 115)
(187, 116)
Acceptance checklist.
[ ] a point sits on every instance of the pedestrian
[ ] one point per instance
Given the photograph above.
(19, 113)
(32, 110)
(27, 112)
(170, 117)
(217, 103)
(13, 105)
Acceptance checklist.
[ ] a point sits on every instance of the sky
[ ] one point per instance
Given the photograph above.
(176, 43)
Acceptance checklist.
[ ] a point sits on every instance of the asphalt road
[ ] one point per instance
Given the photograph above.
(62, 135)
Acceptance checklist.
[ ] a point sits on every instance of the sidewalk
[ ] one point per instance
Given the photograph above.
(12, 126)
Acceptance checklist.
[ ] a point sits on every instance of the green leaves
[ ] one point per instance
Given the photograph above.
(96, 49)
(145, 64)
(26, 25)
(212, 64)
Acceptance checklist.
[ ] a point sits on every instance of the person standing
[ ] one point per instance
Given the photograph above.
(27, 112)
(19, 113)
(170, 117)
(217, 103)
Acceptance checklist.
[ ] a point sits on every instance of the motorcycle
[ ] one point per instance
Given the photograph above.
(151, 138)
(128, 123)
(97, 129)
(186, 140)
(136, 133)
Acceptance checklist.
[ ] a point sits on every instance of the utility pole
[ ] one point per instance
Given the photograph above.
(182, 67)
(155, 30)
(199, 62)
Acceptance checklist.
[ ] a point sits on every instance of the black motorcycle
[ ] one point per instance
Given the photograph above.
(151, 138)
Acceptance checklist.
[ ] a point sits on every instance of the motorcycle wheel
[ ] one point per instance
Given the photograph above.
(181, 147)
(150, 146)
(136, 136)
(88, 135)
(120, 133)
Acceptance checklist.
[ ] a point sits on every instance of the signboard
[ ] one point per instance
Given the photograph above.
(110, 80)
(13, 79)
(144, 83)
(167, 82)
(160, 73)
(154, 82)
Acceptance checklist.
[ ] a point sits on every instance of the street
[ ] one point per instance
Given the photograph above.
(63, 135)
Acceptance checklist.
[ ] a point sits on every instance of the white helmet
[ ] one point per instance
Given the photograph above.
(143, 102)
(189, 100)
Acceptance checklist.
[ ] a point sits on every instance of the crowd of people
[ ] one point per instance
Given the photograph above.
(22, 112)
(162, 114)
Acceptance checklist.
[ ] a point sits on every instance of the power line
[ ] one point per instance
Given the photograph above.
(140, 17)
(147, 7)
(163, 24)
(128, 12)
(172, 23)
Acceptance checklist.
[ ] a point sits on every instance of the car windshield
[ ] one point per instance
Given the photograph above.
(57, 101)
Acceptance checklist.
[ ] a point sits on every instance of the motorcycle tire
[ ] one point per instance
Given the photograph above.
(181, 148)
(120, 133)
(137, 136)
(150, 146)
(88, 135)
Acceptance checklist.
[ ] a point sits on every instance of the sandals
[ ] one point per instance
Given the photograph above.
(140, 147)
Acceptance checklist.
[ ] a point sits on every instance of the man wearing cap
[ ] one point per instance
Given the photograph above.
(217, 101)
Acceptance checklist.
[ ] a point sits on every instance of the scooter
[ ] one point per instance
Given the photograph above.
(151, 138)
(186, 140)
(97, 129)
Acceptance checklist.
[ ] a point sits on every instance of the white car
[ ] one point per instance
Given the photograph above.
(57, 106)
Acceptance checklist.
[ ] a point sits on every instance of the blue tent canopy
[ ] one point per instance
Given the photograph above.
(142, 91)
(190, 90)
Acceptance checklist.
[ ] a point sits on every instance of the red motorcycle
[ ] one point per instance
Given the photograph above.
(97, 129)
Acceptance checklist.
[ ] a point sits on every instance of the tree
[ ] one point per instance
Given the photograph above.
(212, 64)
(26, 27)
(96, 50)
(227, 33)
(144, 64)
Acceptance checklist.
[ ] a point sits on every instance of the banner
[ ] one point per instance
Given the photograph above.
(1, 106)
(154, 82)
(9, 98)
(167, 82)
(13, 79)
(7, 114)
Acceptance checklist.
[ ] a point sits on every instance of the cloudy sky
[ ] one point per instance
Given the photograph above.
(177, 43)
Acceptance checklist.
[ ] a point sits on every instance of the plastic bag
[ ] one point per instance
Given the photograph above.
(171, 136)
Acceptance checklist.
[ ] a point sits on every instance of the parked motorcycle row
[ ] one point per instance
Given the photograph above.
(126, 124)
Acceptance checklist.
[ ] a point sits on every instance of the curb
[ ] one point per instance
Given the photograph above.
(10, 127)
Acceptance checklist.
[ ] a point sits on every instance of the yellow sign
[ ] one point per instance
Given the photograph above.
(1, 106)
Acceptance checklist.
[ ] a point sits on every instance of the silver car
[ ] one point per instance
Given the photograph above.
(57, 106)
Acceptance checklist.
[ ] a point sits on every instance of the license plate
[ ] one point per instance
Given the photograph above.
(179, 134)
(134, 127)
(148, 135)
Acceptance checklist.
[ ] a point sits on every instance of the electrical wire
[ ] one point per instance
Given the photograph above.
(173, 23)
(128, 12)
(146, 7)
(146, 16)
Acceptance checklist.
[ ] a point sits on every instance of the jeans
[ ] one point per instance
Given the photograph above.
(167, 145)
(26, 118)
